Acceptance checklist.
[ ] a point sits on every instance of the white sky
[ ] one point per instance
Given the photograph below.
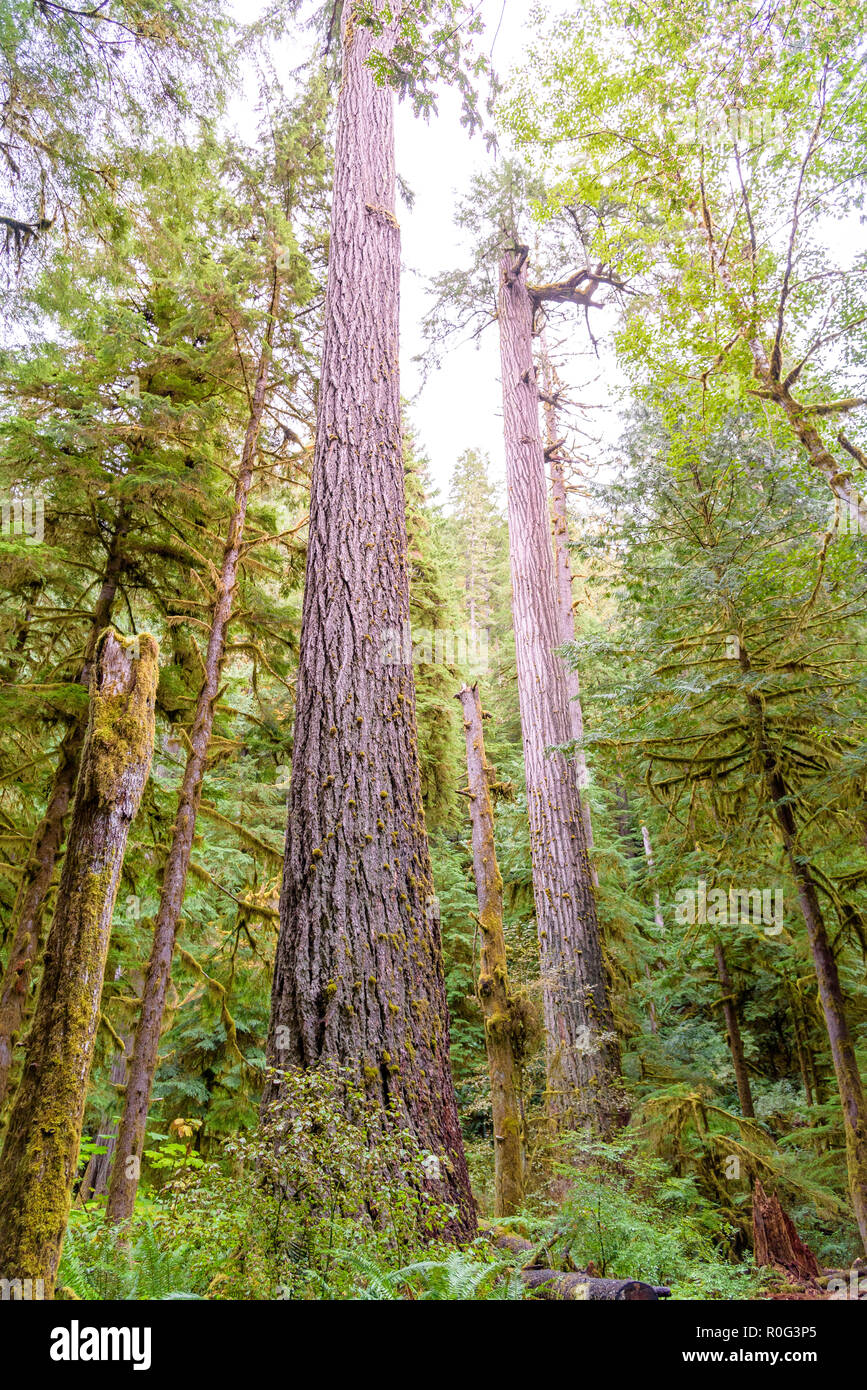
(460, 407)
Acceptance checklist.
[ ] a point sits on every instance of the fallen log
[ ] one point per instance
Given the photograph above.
(547, 1283)
(578, 1284)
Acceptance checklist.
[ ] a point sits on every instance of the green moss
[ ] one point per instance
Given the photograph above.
(121, 723)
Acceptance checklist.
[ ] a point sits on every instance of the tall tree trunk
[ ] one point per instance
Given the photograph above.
(358, 975)
(563, 580)
(145, 1053)
(40, 1154)
(494, 997)
(851, 1091)
(26, 920)
(583, 1058)
(849, 1084)
(736, 1045)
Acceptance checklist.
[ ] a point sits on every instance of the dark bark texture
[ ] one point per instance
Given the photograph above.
(358, 975)
(40, 1155)
(563, 580)
(583, 1060)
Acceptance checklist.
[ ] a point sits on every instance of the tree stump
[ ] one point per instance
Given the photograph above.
(775, 1240)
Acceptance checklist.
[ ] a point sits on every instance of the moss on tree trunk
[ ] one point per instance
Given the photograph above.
(25, 927)
(40, 1155)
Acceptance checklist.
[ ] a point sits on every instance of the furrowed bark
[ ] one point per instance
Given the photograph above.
(733, 1030)
(358, 975)
(40, 1154)
(145, 1052)
(26, 921)
(583, 1057)
(563, 578)
(493, 987)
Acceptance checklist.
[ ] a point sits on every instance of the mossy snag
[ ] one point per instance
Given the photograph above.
(493, 986)
(40, 1154)
(24, 929)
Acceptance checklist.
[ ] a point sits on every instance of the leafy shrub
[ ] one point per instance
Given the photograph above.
(291, 1207)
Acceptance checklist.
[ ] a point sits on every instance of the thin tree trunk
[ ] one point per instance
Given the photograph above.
(626, 830)
(358, 976)
(563, 583)
(648, 854)
(26, 920)
(128, 1147)
(583, 1058)
(739, 1061)
(800, 1040)
(494, 997)
(849, 1085)
(658, 920)
(851, 1092)
(96, 1174)
(40, 1154)
(776, 387)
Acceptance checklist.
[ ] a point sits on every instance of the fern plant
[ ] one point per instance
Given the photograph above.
(459, 1276)
(100, 1263)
